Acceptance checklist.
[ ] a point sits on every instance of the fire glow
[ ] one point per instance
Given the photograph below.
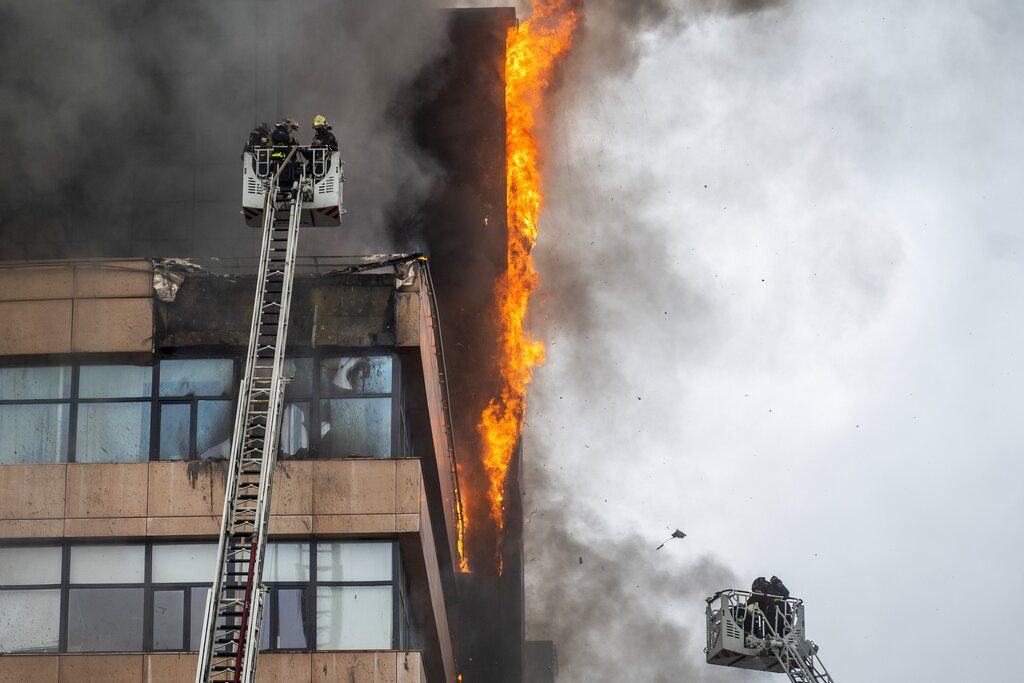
(532, 53)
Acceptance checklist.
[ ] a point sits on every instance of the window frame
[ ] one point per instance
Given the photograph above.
(399, 446)
(401, 608)
(152, 360)
(316, 395)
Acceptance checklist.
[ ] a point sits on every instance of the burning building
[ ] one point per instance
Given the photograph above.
(120, 359)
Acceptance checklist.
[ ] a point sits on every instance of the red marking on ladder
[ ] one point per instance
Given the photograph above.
(245, 613)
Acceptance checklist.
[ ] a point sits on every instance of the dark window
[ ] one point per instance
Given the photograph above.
(105, 619)
(339, 407)
(169, 619)
(196, 408)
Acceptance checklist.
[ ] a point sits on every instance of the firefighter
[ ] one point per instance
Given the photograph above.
(758, 602)
(258, 138)
(283, 139)
(322, 135)
(778, 613)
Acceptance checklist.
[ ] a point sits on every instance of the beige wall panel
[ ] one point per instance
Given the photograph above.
(355, 667)
(118, 526)
(410, 668)
(284, 667)
(98, 490)
(409, 486)
(169, 668)
(113, 279)
(100, 668)
(407, 319)
(353, 487)
(31, 528)
(183, 526)
(290, 525)
(183, 489)
(353, 524)
(293, 489)
(28, 669)
(35, 327)
(36, 282)
(407, 524)
(32, 491)
(112, 325)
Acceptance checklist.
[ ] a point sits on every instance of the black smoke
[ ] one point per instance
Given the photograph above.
(124, 120)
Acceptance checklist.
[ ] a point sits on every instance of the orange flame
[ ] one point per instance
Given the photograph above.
(532, 52)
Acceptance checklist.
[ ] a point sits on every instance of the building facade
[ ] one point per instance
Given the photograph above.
(116, 411)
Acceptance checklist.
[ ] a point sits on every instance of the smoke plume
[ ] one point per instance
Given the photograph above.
(621, 322)
(124, 119)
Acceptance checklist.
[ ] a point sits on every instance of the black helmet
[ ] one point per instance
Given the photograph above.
(263, 128)
(760, 585)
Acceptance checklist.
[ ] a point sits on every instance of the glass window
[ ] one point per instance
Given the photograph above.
(286, 562)
(197, 377)
(299, 371)
(115, 381)
(355, 428)
(370, 561)
(353, 617)
(112, 432)
(108, 564)
(35, 433)
(29, 620)
(33, 384)
(355, 375)
(122, 598)
(105, 619)
(169, 620)
(295, 430)
(175, 429)
(197, 610)
(30, 565)
(213, 435)
(291, 619)
(184, 563)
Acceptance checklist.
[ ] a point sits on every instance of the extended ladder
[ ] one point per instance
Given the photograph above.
(798, 657)
(231, 628)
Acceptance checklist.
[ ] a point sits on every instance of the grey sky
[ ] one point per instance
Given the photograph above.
(782, 269)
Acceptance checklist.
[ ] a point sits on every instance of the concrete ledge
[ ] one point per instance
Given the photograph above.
(29, 668)
(386, 666)
(108, 325)
(35, 327)
(28, 283)
(32, 491)
(138, 499)
(113, 280)
(31, 528)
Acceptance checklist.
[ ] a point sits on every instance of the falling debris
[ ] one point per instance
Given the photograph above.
(675, 534)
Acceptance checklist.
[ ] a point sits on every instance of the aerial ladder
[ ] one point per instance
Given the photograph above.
(309, 194)
(741, 635)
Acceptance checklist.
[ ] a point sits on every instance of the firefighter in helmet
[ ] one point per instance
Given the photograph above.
(322, 135)
(283, 139)
(259, 137)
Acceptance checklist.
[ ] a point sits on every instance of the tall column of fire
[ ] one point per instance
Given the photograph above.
(533, 51)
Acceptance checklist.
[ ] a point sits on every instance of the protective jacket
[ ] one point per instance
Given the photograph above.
(323, 137)
(282, 139)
